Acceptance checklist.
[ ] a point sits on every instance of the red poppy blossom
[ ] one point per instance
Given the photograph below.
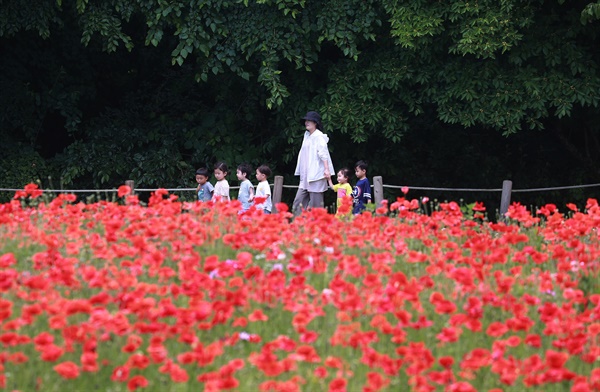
(51, 352)
(338, 385)
(67, 370)
(496, 329)
(257, 315)
(123, 190)
(137, 382)
(120, 373)
(33, 190)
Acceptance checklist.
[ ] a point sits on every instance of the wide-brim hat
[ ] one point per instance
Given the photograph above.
(314, 117)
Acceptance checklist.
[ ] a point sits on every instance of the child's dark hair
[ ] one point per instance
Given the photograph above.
(264, 169)
(245, 169)
(202, 172)
(362, 165)
(345, 172)
(221, 166)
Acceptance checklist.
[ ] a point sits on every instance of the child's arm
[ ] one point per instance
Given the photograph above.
(251, 190)
(215, 191)
(330, 183)
(226, 193)
(211, 189)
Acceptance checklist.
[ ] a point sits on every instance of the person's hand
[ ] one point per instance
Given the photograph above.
(327, 173)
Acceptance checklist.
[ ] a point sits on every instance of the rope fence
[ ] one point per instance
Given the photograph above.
(377, 186)
(556, 188)
(107, 190)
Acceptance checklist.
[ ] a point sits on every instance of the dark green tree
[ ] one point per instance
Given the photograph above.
(166, 86)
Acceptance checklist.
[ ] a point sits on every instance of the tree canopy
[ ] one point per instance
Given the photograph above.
(151, 88)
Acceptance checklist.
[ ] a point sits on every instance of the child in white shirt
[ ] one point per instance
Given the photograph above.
(263, 172)
(221, 191)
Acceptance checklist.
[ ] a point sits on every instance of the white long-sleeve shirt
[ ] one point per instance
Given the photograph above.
(310, 166)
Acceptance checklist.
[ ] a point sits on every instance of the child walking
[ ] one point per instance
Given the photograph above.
(222, 186)
(342, 188)
(263, 172)
(246, 194)
(362, 190)
(205, 189)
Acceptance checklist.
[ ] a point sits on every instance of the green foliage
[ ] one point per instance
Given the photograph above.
(591, 12)
(481, 28)
(504, 64)
(19, 166)
(159, 138)
(499, 64)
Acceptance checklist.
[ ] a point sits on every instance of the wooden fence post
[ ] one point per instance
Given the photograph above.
(505, 199)
(131, 184)
(378, 190)
(277, 191)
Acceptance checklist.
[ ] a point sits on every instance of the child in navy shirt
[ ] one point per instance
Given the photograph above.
(361, 194)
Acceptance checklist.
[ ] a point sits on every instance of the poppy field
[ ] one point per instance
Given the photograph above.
(177, 296)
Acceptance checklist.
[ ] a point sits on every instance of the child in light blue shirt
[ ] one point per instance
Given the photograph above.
(246, 194)
(205, 189)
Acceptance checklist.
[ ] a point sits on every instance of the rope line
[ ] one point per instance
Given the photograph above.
(494, 189)
(63, 190)
(556, 188)
(106, 190)
(173, 189)
(424, 188)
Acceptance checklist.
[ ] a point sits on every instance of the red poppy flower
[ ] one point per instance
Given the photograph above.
(446, 362)
(257, 315)
(338, 385)
(50, 352)
(479, 207)
(449, 335)
(555, 359)
(7, 260)
(33, 190)
(120, 373)
(67, 370)
(138, 361)
(496, 329)
(18, 358)
(123, 190)
(42, 339)
(461, 386)
(307, 353)
(89, 362)
(320, 372)
(137, 382)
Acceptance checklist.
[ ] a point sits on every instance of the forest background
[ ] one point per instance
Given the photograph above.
(459, 94)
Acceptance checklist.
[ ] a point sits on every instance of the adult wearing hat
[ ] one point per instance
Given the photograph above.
(314, 165)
